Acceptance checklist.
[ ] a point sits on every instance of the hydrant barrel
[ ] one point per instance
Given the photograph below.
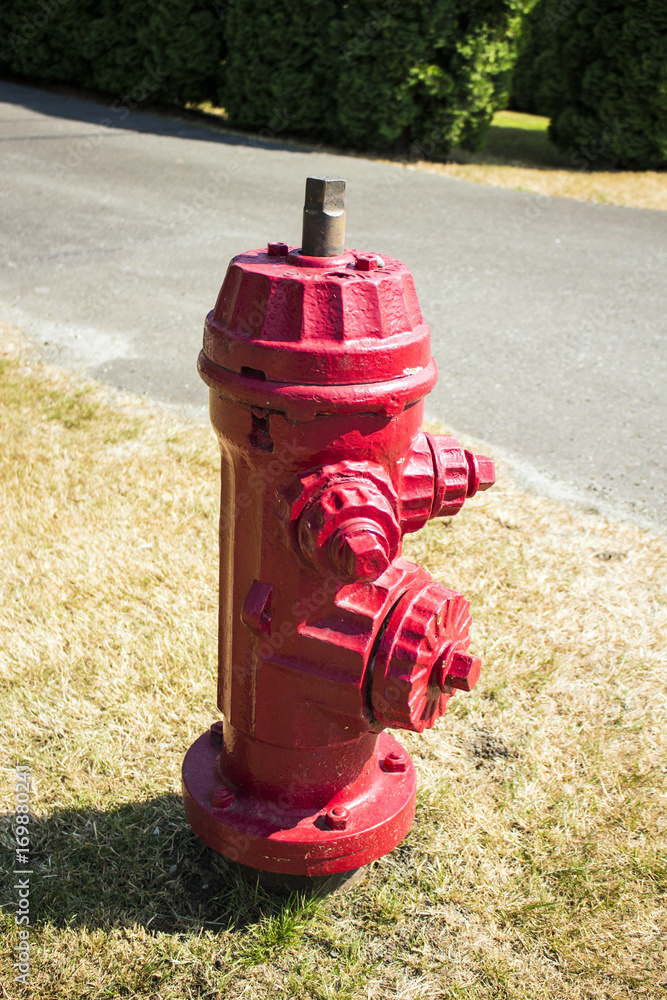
(318, 361)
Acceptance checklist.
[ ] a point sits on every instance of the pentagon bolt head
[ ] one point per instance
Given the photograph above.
(277, 249)
(395, 762)
(215, 733)
(487, 472)
(221, 797)
(481, 473)
(463, 672)
(361, 555)
(337, 818)
(365, 262)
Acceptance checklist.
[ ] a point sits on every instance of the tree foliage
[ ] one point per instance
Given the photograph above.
(141, 50)
(282, 66)
(423, 76)
(386, 75)
(598, 69)
(394, 75)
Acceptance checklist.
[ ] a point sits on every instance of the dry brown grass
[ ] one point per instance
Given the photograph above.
(633, 188)
(518, 154)
(536, 867)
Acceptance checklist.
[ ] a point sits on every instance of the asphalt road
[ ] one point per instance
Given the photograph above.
(548, 315)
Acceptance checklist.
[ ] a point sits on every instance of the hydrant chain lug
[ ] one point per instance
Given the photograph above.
(318, 360)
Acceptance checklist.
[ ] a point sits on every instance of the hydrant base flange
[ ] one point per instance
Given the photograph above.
(376, 812)
(280, 884)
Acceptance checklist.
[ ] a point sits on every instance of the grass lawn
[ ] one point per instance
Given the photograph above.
(536, 867)
(514, 135)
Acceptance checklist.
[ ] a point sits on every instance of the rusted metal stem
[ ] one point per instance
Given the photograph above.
(323, 217)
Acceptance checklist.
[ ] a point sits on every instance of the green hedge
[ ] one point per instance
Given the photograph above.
(387, 75)
(282, 66)
(430, 76)
(395, 75)
(45, 38)
(141, 50)
(598, 69)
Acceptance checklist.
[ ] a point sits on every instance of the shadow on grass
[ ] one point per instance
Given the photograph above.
(135, 864)
(527, 147)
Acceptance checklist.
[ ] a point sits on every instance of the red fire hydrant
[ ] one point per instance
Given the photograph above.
(318, 361)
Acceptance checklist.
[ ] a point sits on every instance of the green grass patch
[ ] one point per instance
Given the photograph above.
(520, 120)
(521, 140)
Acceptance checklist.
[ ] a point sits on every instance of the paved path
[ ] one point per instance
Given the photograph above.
(548, 315)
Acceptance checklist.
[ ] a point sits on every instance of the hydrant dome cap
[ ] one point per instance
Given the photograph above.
(319, 326)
